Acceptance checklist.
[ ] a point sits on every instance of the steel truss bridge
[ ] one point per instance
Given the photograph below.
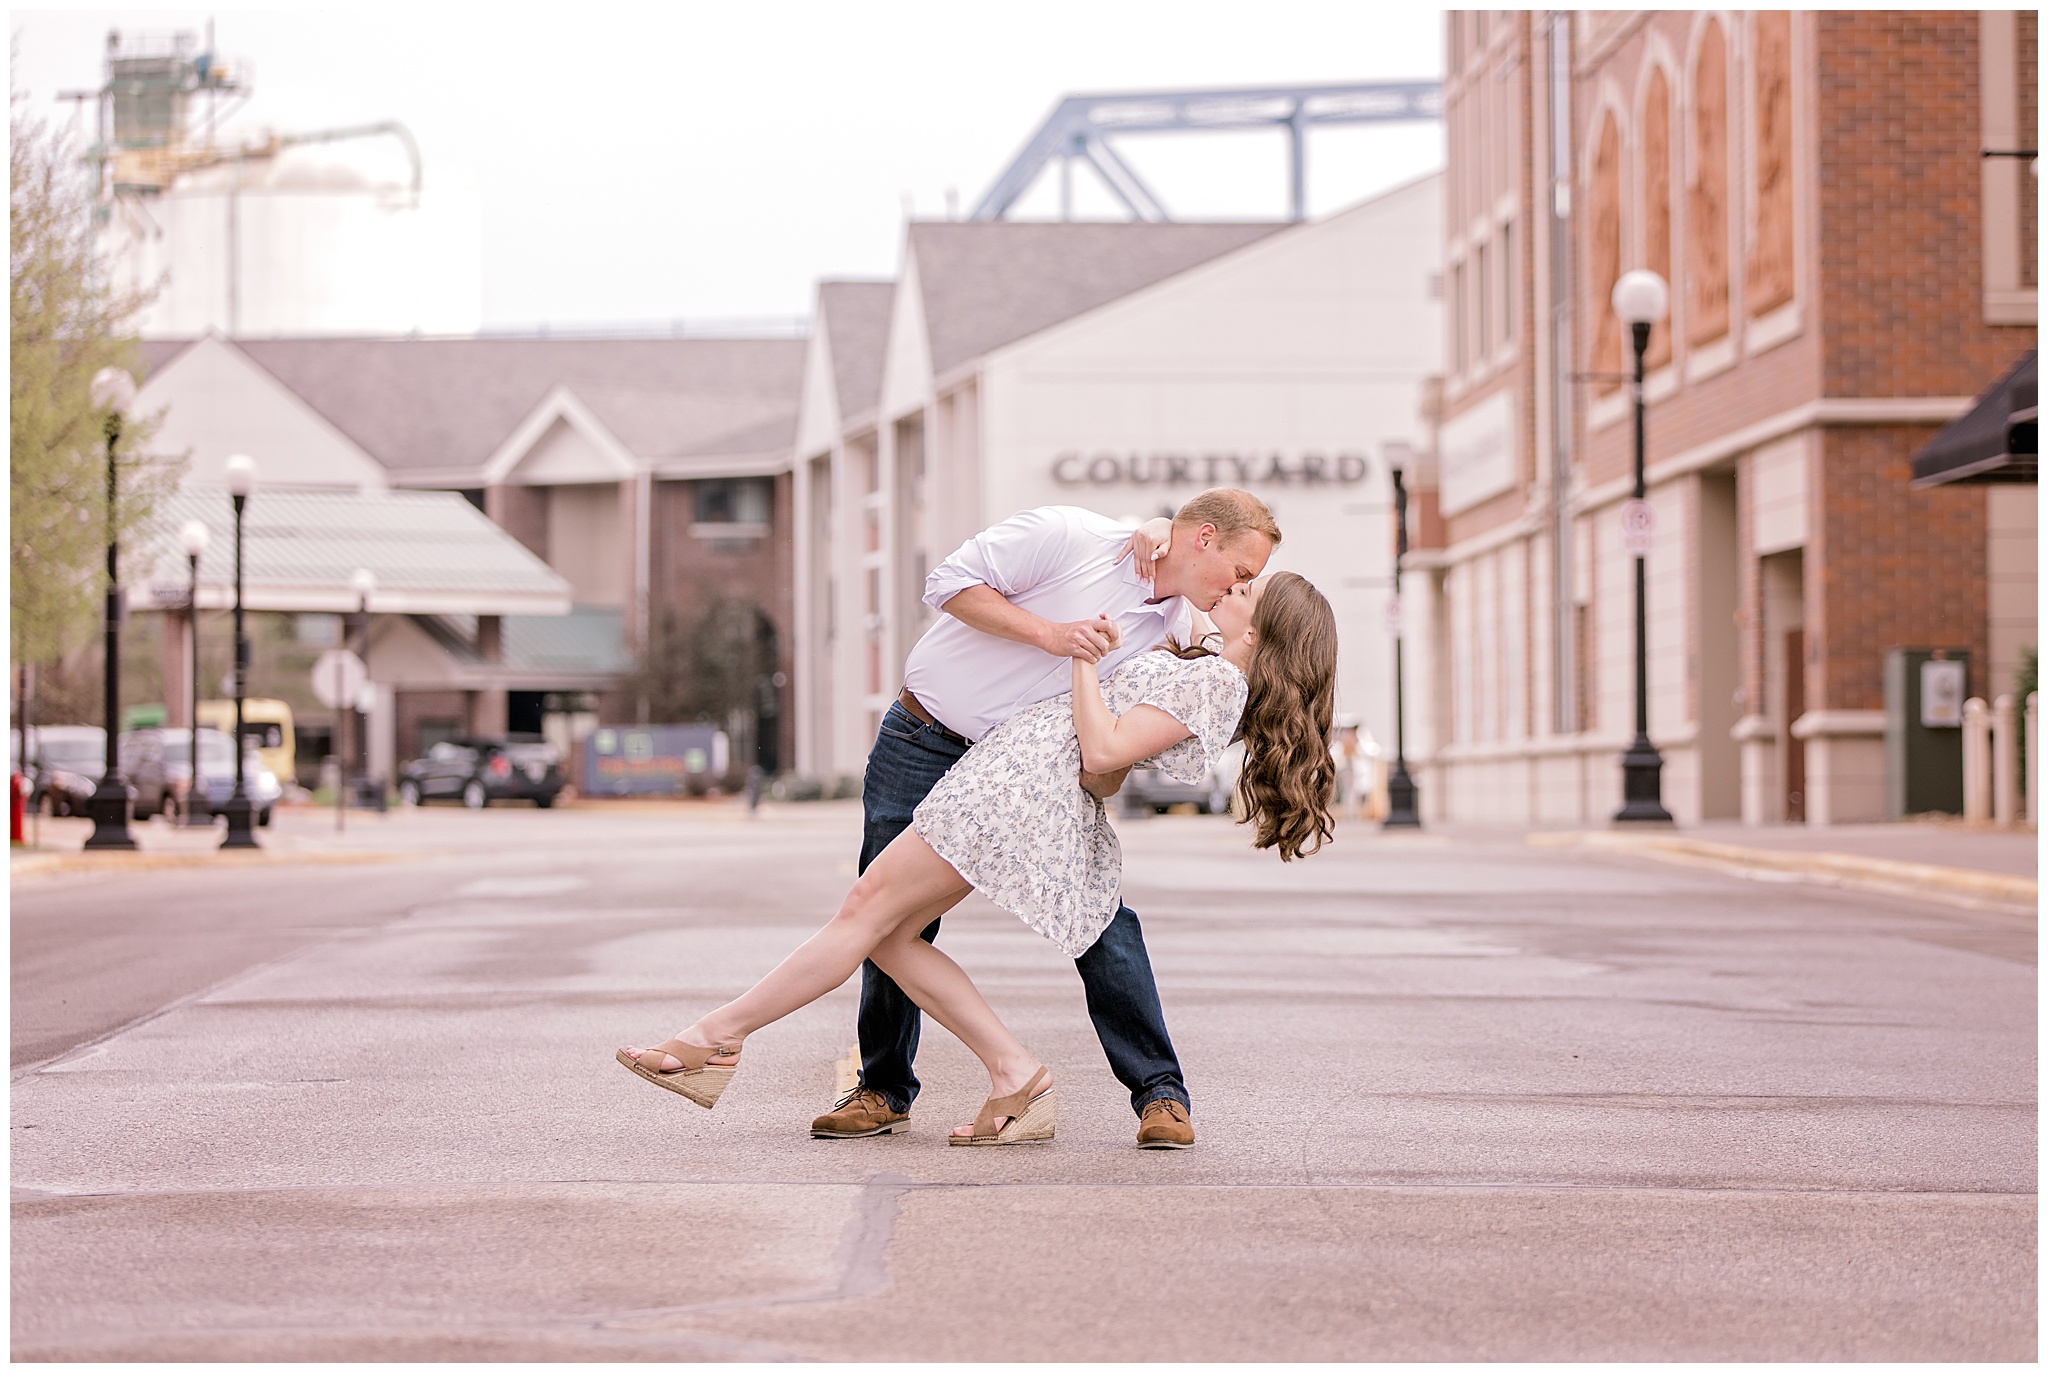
(1080, 126)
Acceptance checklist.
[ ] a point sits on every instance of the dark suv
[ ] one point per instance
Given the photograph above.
(477, 772)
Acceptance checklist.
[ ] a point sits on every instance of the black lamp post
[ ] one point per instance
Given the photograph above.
(113, 390)
(241, 474)
(1401, 790)
(364, 583)
(1640, 299)
(194, 537)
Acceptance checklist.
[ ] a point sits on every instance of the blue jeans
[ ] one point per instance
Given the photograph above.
(908, 760)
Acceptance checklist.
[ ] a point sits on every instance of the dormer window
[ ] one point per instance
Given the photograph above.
(733, 508)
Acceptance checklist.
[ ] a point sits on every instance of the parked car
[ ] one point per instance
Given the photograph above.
(1149, 791)
(64, 765)
(158, 764)
(477, 772)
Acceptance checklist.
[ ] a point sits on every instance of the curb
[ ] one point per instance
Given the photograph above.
(1927, 881)
(52, 864)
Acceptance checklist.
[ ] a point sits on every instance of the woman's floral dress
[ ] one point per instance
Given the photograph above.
(1011, 816)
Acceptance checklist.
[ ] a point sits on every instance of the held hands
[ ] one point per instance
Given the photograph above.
(1084, 640)
(1103, 785)
(1149, 542)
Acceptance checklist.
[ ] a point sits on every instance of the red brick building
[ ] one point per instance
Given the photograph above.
(651, 474)
(1847, 272)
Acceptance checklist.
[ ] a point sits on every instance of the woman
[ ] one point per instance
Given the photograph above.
(1012, 820)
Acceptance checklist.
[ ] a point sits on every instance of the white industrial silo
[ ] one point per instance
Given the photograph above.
(333, 231)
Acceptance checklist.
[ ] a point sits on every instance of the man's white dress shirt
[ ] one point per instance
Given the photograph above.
(1058, 562)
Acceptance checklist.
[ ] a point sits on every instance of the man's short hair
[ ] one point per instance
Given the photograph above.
(1232, 512)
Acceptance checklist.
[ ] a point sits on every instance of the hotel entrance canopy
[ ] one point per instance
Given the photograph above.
(432, 552)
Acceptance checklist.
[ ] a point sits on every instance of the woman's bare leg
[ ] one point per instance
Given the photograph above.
(943, 990)
(908, 884)
(906, 888)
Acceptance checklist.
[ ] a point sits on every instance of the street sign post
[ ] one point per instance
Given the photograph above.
(339, 681)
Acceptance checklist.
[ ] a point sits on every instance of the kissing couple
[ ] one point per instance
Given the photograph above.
(1067, 651)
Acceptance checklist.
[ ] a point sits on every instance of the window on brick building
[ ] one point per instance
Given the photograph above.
(2008, 53)
(1657, 202)
(1510, 283)
(1768, 282)
(2028, 50)
(1706, 220)
(1482, 281)
(1604, 244)
(734, 500)
(1585, 697)
(1458, 320)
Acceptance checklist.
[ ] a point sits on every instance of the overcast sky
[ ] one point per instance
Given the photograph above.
(702, 161)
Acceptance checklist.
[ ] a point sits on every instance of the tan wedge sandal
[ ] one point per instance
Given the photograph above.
(1030, 1117)
(702, 1077)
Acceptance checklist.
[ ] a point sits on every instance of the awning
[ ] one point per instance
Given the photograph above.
(433, 553)
(1994, 442)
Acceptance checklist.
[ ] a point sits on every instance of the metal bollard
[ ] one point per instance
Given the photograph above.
(2005, 777)
(2033, 764)
(1976, 759)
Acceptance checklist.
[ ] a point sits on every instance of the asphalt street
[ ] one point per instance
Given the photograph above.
(1458, 1098)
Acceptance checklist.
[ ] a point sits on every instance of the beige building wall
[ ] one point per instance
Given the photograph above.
(1311, 345)
(2013, 583)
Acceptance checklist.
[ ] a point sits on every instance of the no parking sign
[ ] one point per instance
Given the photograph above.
(1638, 528)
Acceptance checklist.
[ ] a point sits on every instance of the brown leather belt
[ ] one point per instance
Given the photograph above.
(916, 707)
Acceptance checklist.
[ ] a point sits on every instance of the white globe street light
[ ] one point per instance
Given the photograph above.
(113, 391)
(364, 583)
(194, 537)
(241, 476)
(1641, 297)
(1401, 788)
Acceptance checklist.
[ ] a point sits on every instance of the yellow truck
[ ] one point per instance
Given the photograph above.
(266, 723)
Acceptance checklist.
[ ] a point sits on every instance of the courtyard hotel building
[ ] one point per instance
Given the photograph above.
(1120, 368)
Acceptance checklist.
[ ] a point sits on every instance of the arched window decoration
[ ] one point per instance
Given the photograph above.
(1706, 220)
(1657, 201)
(1768, 282)
(1605, 267)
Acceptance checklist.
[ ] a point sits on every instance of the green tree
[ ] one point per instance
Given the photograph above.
(66, 323)
(709, 669)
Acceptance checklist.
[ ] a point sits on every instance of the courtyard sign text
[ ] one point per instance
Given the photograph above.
(1074, 468)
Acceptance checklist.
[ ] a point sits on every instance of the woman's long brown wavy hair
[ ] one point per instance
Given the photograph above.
(1289, 775)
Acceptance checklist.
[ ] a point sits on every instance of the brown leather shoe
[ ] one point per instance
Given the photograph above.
(1165, 1125)
(860, 1113)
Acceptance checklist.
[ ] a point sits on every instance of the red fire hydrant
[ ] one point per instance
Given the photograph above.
(17, 791)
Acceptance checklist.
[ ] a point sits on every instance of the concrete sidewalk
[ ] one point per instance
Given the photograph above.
(309, 835)
(1974, 866)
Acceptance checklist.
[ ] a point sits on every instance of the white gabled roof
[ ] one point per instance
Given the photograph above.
(432, 552)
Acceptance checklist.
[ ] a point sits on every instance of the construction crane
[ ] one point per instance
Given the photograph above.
(1080, 125)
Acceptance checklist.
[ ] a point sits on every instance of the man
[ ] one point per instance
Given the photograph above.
(1020, 600)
